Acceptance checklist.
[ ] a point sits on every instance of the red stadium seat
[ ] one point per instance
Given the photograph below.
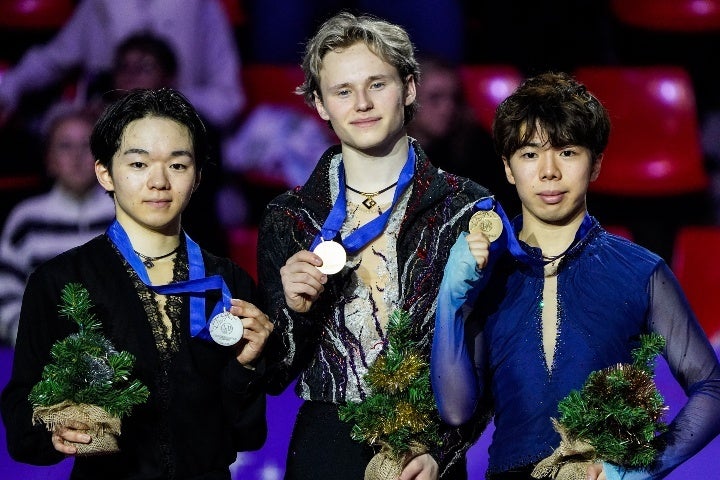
(265, 83)
(669, 15)
(35, 14)
(486, 86)
(242, 243)
(654, 146)
(696, 263)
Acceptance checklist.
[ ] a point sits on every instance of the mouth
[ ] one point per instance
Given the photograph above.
(158, 203)
(551, 197)
(365, 122)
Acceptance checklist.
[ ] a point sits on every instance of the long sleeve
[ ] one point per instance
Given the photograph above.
(211, 75)
(295, 334)
(46, 64)
(458, 389)
(694, 365)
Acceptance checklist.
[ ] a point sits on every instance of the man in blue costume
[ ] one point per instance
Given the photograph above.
(524, 319)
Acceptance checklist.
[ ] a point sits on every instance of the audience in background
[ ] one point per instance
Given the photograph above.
(198, 31)
(75, 210)
(451, 135)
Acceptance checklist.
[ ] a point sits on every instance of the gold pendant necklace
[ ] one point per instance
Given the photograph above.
(369, 202)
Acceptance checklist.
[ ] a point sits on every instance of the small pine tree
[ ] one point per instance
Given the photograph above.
(400, 411)
(618, 410)
(86, 368)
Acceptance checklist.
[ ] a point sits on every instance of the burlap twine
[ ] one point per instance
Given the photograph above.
(385, 466)
(569, 461)
(102, 427)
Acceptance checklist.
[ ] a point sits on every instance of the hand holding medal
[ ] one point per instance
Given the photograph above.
(487, 222)
(333, 256)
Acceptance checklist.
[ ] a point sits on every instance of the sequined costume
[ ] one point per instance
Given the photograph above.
(329, 349)
(609, 291)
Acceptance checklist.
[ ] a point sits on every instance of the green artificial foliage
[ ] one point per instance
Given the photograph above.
(85, 366)
(618, 410)
(400, 412)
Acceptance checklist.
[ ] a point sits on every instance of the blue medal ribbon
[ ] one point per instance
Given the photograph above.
(358, 239)
(511, 241)
(508, 236)
(196, 286)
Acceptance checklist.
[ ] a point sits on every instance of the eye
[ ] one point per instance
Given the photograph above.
(178, 166)
(568, 152)
(343, 92)
(377, 85)
(137, 165)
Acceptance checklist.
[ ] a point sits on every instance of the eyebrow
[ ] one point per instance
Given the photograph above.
(142, 151)
(369, 79)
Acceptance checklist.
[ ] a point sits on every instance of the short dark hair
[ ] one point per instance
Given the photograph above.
(559, 105)
(149, 43)
(163, 102)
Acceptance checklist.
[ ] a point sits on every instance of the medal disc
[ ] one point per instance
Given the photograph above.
(226, 329)
(488, 222)
(333, 256)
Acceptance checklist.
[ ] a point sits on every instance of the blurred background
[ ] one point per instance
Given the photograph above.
(651, 62)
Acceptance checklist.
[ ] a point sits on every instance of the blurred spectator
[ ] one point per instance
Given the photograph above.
(437, 28)
(276, 143)
(451, 136)
(142, 60)
(75, 210)
(198, 31)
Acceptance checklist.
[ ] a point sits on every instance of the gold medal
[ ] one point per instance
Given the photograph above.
(488, 222)
(333, 256)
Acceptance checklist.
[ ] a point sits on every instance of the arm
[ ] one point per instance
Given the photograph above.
(290, 290)
(214, 84)
(457, 388)
(39, 327)
(694, 365)
(46, 64)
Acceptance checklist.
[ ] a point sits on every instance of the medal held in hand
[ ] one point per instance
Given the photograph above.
(226, 329)
(488, 222)
(333, 256)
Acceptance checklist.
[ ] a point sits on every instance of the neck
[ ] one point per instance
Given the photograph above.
(369, 173)
(552, 239)
(150, 242)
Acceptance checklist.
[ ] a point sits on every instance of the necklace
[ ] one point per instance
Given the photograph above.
(369, 202)
(149, 261)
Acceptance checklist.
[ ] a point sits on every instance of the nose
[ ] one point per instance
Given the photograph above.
(158, 178)
(363, 101)
(548, 166)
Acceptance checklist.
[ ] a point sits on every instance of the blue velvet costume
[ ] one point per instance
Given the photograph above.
(609, 291)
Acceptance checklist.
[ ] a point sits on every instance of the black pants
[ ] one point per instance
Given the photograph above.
(321, 448)
(521, 473)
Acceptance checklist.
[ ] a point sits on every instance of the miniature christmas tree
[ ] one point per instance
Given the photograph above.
(88, 380)
(400, 415)
(615, 417)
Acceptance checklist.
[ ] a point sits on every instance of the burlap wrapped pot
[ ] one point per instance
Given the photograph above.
(386, 466)
(102, 427)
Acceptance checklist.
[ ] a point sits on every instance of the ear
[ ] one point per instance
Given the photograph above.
(596, 167)
(320, 107)
(104, 177)
(410, 90)
(508, 171)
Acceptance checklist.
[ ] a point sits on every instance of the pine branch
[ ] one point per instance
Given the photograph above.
(85, 366)
(401, 408)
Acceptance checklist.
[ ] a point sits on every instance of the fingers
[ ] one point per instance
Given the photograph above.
(302, 281)
(64, 437)
(257, 328)
(479, 246)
